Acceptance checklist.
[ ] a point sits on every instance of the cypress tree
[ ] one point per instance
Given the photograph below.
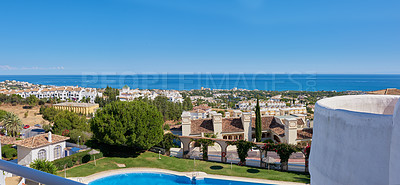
(258, 122)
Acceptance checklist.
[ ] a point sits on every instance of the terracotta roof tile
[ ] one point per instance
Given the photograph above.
(266, 122)
(305, 133)
(5, 140)
(389, 91)
(201, 125)
(232, 125)
(235, 125)
(40, 140)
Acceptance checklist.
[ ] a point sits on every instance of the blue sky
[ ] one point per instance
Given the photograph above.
(210, 36)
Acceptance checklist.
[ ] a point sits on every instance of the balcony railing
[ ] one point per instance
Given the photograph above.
(35, 175)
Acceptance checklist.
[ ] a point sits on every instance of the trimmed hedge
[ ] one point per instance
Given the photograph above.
(75, 159)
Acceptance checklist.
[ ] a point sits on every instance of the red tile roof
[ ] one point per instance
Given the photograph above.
(6, 140)
(232, 125)
(305, 133)
(235, 125)
(202, 126)
(388, 91)
(40, 140)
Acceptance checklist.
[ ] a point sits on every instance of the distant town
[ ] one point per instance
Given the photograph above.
(273, 103)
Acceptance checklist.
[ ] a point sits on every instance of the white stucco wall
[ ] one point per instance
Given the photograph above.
(24, 155)
(352, 140)
(27, 155)
(394, 165)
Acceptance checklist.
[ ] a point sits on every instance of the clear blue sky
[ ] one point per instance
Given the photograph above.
(213, 36)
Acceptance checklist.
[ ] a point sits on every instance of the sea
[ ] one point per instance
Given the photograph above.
(273, 82)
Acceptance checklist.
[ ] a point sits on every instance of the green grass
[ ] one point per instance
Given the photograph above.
(150, 160)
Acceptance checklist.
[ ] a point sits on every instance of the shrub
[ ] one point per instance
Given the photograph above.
(134, 124)
(7, 151)
(75, 133)
(166, 127)
(75, 159)
(44, 165)
(243, 148)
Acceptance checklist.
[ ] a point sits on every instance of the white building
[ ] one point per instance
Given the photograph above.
(63, 93)
(289, 129)
(127, 94)
(357, 141)
(44, 146)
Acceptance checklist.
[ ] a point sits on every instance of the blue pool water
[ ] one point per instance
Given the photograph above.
(161, 179)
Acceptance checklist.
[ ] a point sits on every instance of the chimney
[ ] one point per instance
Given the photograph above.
(237, 113)
(49, 137)
(186, 128)
(246, 121)
(290, 130)
(227, 114)
(217, 124)
(211, 113)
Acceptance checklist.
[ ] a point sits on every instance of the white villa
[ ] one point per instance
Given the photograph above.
(44, 146)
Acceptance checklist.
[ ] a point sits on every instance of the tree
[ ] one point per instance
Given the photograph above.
(205, 143)
(168, 142)
(134, 124)
(7, 151)
(258, 122)
(110, 95)
(32, 100)
(12, 123)
(48, 113)
(187, 104)
(82, 135)
(243, 148)
(67, 120)
(169, 110)
(305, 148)
(284, 151)
(44, 165)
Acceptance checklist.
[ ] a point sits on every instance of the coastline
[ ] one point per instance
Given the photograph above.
(183, 82)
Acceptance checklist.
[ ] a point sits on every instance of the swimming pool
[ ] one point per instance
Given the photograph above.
(161, 179)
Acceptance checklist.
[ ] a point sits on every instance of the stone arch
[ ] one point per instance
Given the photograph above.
(223, 145)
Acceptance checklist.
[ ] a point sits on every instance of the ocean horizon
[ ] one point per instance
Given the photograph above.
(272, 82)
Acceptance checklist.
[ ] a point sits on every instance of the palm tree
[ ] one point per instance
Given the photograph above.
(44, 165)
(12, 123)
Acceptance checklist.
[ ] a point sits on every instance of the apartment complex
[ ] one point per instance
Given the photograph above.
(63, 93)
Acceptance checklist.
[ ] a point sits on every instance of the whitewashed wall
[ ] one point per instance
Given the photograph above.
(352, 140)
(27, 155)
(394, 165)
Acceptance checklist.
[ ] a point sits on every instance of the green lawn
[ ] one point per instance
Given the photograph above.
(150, 160)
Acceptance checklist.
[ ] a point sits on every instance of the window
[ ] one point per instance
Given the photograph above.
(42, 154)
(57, 152)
